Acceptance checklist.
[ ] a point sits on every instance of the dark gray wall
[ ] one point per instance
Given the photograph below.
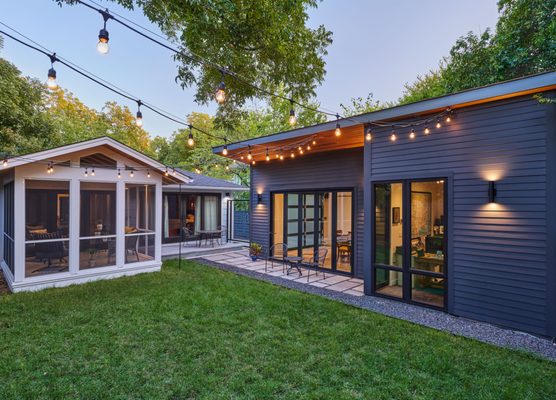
(498, 265)
(328, 170)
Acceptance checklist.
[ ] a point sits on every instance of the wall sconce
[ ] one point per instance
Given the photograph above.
(259, 198)
(491, 192)
(227, 194)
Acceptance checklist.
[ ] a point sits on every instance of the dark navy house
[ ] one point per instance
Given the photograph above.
(447, 203)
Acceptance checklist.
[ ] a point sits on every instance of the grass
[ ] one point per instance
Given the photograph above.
(202, 333)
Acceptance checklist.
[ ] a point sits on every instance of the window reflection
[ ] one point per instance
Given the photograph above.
(388, 224)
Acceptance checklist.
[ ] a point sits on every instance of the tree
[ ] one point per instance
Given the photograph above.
(360, 106)
(266, 42)
(523, 44)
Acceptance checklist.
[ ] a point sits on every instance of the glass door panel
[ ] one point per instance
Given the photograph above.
(324, 234)
(278, 224)
(292, 224)
(308, 226)
(344, 236)
(388, 238)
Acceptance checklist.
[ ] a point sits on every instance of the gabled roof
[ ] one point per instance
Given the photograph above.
(204, 182)
(497, 91)
(118, 147)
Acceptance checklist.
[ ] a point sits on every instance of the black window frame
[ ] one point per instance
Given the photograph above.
(405, 269)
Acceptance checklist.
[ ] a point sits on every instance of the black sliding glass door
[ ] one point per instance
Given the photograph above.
(409, 251)
(307, 221)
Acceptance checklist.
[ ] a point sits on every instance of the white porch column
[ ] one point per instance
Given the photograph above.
(19, 228)
(120, 223)
(158, 222)
(74, 225)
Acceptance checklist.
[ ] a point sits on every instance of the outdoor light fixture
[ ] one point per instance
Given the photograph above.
(131, 174)
(314, 142)
(438, 124)
(5, 163)
(190, 141)
(166, 172)
(220, 95)
(292, 155)
(427, 130)
(50, 168)
(369, 135)
(51, 81)
(119, 174)
(102, 45)
(412, 134)
(225, 151)
(267, 155)
(393, 136)
(253, 162)
(86, 173)
(227, 194)
(93, 172)
(249, 155)
(139, 116)
(148, 174)
(259, 198)
(293, 119)
(491, 192)
(337, 131)
(449, 116)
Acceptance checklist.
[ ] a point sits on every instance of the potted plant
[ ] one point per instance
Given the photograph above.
(255, 250)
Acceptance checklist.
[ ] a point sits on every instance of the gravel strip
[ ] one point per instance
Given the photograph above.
(481, 331)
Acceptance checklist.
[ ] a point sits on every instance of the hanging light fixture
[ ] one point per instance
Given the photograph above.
(220, 94)
(103, 38)
(308, 147)
(338, 130)
(50, 168)
(51, 80)
(166, 172)
(148, 174)
(267, 155)
(393, 136)
(249, 155)
(438, 124)
(281, 155)
(293, 119)
(314, 142)
(190, 141)
(253, 162)
(119, 174)
(225, 151)
(93, 172)
(412, 134)
(5, 163)
(139, 115)
(449, 116)
(174, 171)
(427, 130)
(369, 134)
(131, 174)
(86, 173)
(292, 155)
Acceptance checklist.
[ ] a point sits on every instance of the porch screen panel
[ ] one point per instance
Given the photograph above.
(9, 226)
(139, 222)
(97, 242)
(46, 227)
(211, 212)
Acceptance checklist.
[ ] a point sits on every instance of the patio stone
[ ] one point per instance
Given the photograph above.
(336, 279)
(312, 278)
(357, 280)
(359, 288)
(354, 292)
(320, 284)
(342, 286)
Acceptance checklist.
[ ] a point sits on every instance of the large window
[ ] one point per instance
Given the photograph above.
(309, 221)
(9, 225)
(189, 212)
(409, 241)
(140, 213)
(97, 243)
(47, 227)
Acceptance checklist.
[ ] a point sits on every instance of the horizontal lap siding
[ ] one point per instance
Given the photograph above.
(499, 271)
(327, 170)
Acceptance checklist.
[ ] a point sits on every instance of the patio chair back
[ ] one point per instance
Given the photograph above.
(283, 247)
(320, 256)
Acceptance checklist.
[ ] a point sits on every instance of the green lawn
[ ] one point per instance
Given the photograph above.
(203, 333)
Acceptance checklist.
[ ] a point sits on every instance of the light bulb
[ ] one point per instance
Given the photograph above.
(139, 119)
(438, 125)
(253, 162)
(249, 156)
(368, 136)
(92, 172)
(448, 119)
(5, 163)
(412, 134)
(308, 147)
(393, 137)
(220, 94)
(119, 175)
(225, 151)
(131, 174)
(292, 119)
(190, 141)
(292, 155)
(86, 173)
(314, 142)
(427, 130)
(51, 81)
(102, 45)
(148, 174)
(338, 131)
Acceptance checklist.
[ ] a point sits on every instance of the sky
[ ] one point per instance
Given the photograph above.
(378, 47)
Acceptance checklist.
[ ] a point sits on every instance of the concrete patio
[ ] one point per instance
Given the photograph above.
(334, 282)
(191, 250)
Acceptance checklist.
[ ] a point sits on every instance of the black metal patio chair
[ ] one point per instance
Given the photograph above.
(271, 256)
(317, 262)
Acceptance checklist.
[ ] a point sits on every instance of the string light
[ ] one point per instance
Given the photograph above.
(86, 173)
(412, 134)
(292, 155)
(103, 38)
(369, 135)
(139, 116)
(438, 124)
(119, 174)
(300, 150)
(166, 172)
(174, 171)
(51, 76)
(308, 147)
(220, 94)
(131, 174)
(249, 155)
(427, 130)
(314, 142)
(337, 131)
(50, 168)
(449, 116)
(281, 155)
(5, 163)
(225, 151)
(393, 135)
(148, 174)
(93, 172)
(190, 141)
(267, 155)
(293, 119)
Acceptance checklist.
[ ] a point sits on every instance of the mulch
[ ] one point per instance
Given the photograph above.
(4, 289)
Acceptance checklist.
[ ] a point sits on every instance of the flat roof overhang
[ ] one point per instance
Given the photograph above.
(353, 128)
